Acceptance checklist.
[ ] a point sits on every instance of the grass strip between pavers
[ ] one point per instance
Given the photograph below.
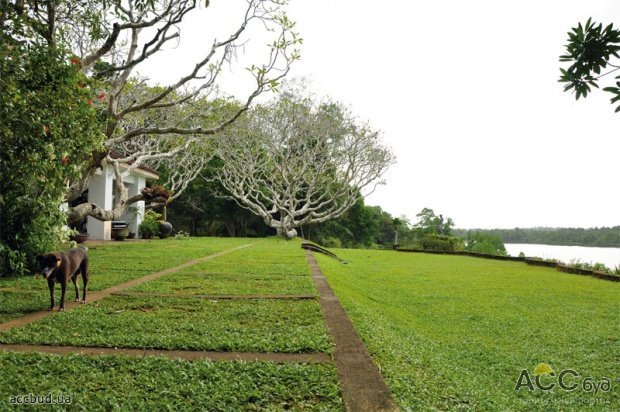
(156, 383)
(228, 284)
(15, 304)
(190, 324)
(117, 262)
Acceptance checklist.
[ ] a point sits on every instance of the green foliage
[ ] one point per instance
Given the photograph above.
(200, 213)
(441, 243)
(49, 128)
(589, 50)
(149, 226)
(596, 237)
(484, 243)
(453, 332)
(361, 226)
(184, 323)
(115, 383)
(429, 223)
(331, 241)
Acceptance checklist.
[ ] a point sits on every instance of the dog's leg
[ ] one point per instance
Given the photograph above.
(84, 269)
(77, 291)
(50, 284)
(63, 288)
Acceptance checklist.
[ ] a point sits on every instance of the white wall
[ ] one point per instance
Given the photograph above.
(100, 192)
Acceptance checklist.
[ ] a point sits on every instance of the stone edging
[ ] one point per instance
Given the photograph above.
(363, 388)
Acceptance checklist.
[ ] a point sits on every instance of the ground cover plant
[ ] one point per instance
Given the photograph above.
(202, 283)
(189, 323)
(157, 383)
(271, 266)
(118, 262)
(17, 304)
(272, 256)
(454, 332)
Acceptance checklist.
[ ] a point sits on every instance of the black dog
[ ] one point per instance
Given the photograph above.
(60, 267)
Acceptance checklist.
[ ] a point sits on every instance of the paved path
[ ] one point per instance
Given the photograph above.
(95, 296)
(363, 388)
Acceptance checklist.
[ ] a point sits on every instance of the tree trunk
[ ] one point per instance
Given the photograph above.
(286, 233)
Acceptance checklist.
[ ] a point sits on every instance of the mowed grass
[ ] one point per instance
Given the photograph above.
(17, 304)
(131, 383)
(117, 262)
(157, 384)
(454, 333)
(269, 267)
(189, 323)
(204, 283)
(110, 264)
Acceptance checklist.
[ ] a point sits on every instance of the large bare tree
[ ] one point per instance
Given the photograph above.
(295, 162)
(148, 125)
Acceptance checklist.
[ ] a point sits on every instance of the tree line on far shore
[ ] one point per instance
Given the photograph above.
(593, 237)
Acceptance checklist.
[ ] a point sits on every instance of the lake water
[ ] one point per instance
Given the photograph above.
(609, 256)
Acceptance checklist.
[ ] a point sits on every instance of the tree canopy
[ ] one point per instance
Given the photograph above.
(294, 161)
(88, 104)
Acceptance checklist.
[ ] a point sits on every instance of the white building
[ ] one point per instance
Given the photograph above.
(101, 192)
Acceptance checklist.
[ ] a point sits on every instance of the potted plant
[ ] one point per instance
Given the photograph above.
(150, 224)
(120, 230)
(80, 237)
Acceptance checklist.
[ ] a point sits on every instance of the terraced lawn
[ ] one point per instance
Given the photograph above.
(194, 282)
(269, 266)
(454, 333)
(118, 262)
(160, 384)
(192, 324)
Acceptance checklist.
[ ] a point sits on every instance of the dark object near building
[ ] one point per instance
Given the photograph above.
(80, 237)
(119, 230)
(165, 229)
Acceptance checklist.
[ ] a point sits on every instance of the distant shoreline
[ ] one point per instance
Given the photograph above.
(604, 237)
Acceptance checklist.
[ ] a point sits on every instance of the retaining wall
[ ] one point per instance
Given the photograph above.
(528, 260)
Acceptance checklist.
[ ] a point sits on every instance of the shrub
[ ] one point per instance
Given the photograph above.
(331, 241)
(49, 128)
(442, 243)
(484, 243)
(150, 224)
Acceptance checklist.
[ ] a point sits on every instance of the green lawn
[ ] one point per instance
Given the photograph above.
(17, 304)
(118, 262)
(175, 323)
(454, 333)
(448, 332)
(193, 282)
(269, 266)
(160, 384)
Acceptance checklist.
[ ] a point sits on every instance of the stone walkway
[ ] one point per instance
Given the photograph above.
(362, 385)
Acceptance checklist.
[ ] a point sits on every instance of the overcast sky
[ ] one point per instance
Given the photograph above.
(466, 94)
